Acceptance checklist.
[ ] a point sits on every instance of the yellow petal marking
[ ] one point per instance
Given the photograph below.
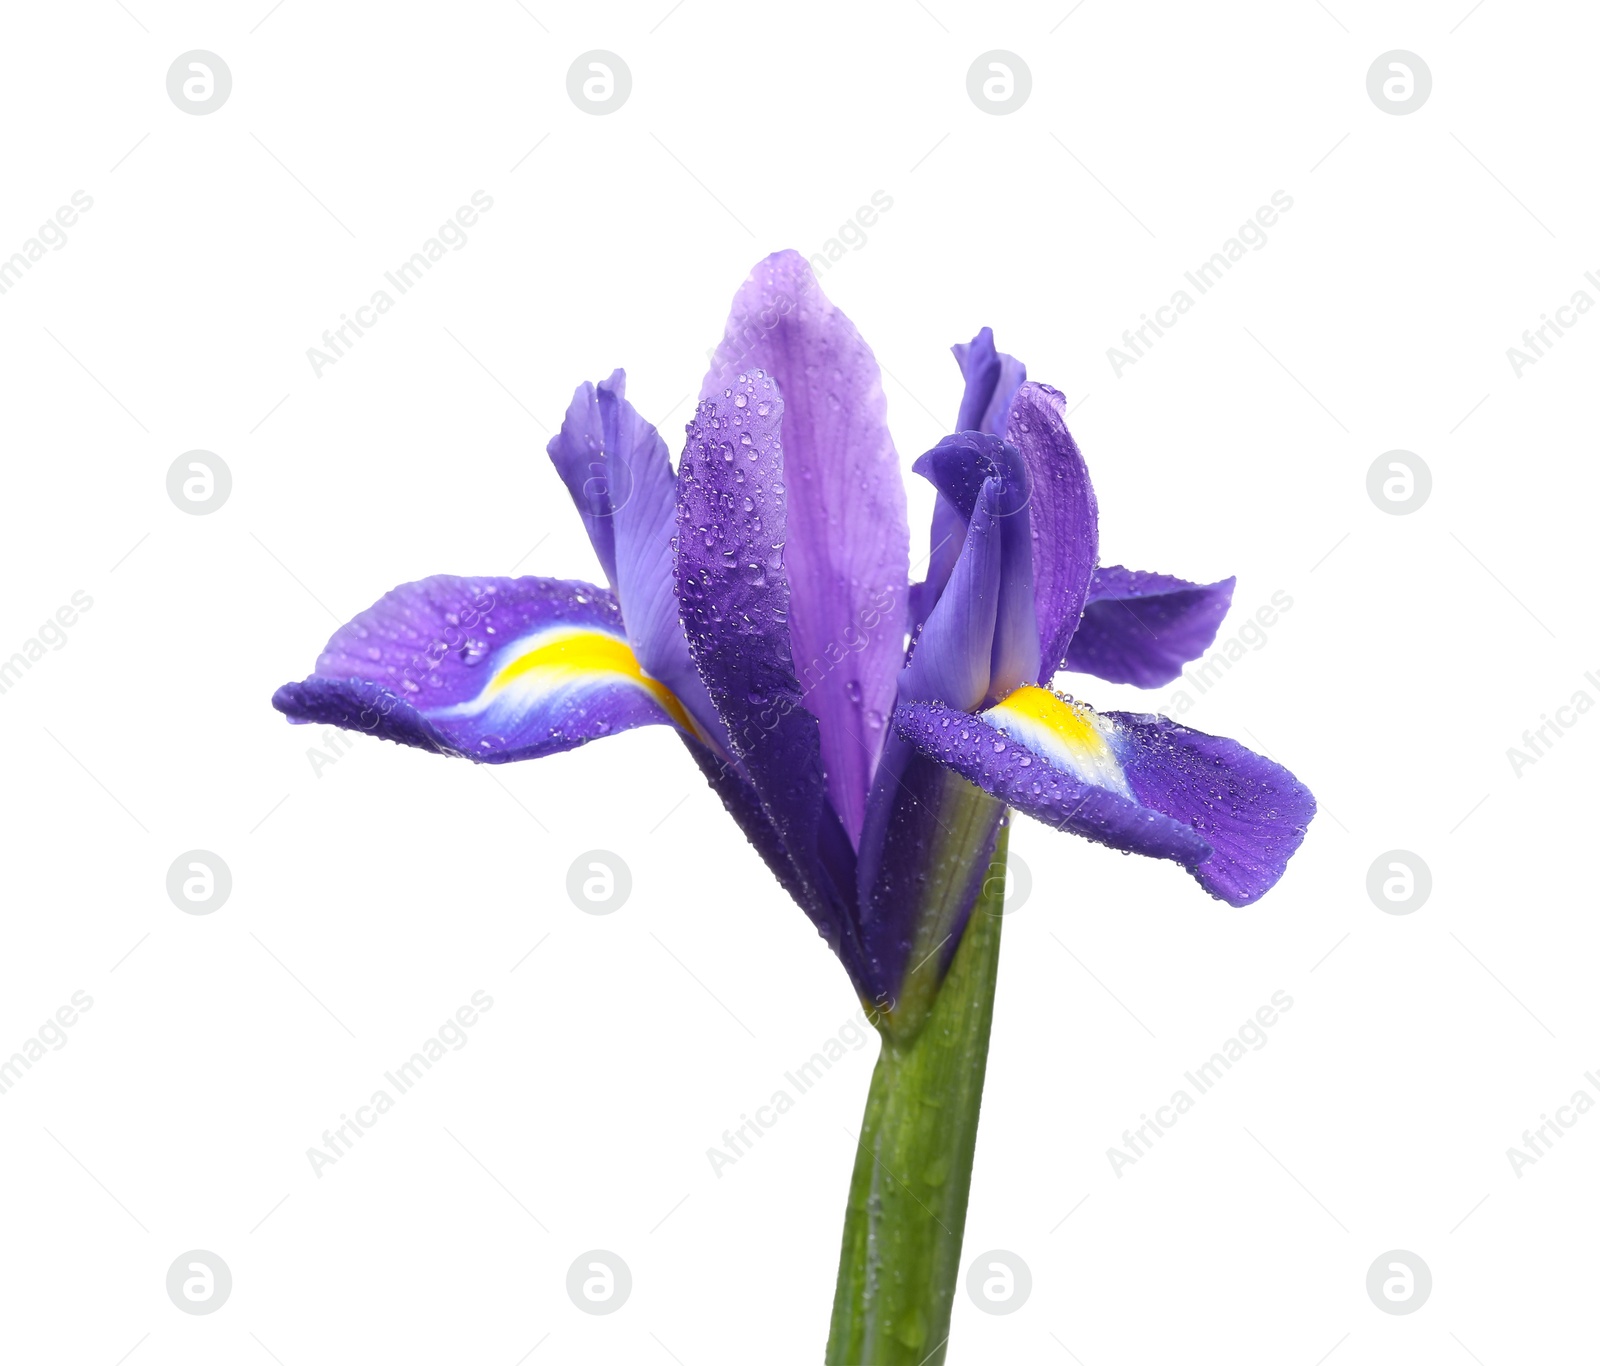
(560, 657)
(1066, 733)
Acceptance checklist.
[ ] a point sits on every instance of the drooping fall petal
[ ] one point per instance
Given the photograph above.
(487, 669)
(1142, 784)
(1252, 811)
(1052, 792)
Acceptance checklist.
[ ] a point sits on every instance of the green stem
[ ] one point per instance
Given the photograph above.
(901, 1257)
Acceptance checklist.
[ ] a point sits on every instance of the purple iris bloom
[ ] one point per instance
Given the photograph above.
(867, 733)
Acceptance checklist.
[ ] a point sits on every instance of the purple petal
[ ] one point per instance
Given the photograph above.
(847, 555)
(832, 918)
(578, 452)
(734, 591)
(1025, 778)
(921, 598)
(981, 640)
(992, 381)
(945, 538)
(925, 849)
(619, 473)
(950, 661)
(1142, 628)
(743, 803)
(1253, 812)
(643, 526)
(486, 669)
(1064, 518)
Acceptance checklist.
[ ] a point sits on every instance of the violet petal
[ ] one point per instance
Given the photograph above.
(487, 669)
(1142, 628)
(847, 556)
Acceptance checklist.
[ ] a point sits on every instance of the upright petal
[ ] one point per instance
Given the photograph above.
(996, 638)
(642, 511)
(927, 838)
(1142, 628)
(617, 469)
(1063, 517)
(950, 659)
(1142, 784)
(644, 524)
(945, 536)
(847, 557)
(993, 379)
(485, 669)
(578, 452)
(735, 594)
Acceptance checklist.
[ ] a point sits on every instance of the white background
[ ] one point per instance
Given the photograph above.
(372, 898)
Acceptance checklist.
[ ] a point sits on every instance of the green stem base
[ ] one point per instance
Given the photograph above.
(901, 1257)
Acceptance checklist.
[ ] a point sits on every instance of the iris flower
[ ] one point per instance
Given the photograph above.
(870, 735)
